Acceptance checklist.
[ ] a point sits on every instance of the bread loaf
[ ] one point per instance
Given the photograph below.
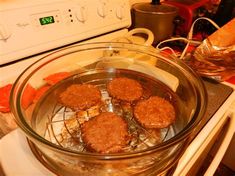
(225, 36)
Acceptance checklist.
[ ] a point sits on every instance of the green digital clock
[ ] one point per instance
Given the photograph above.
(46, 20)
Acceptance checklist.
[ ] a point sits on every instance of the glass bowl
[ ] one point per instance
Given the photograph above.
(54, 130)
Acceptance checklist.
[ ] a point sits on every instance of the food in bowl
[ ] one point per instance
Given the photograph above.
(154, 112)
(105, 130)
(105, 133)
(55, 129)
(125, 89)
(80, 96)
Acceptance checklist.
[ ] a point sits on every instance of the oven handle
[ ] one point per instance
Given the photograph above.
(193, 152)
(230, 115)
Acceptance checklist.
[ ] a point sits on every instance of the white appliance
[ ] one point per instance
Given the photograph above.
(31, 29)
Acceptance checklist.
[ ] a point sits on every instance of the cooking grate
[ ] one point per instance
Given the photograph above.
(64, 125)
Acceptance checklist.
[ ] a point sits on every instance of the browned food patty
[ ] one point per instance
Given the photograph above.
(154, 112)
(105, 133)
(80, 96)
(125, 89)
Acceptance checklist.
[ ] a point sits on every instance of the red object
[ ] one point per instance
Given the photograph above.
(5, 95)
(188, 10)
(5, 109)
(28, 96)
(190, 48)
(198, 37)
(170, 52)
(40, 92)
(231, 80)
(56, 77)
(5, 98)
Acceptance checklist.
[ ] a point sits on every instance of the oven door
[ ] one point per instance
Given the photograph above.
(214, 138)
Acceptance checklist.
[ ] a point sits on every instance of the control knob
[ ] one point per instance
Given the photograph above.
(4, 32)
(102, 9)
(120, 12)
(81, 13)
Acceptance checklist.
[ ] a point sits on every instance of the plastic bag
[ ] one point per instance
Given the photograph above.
(215, 57)
(218, 64)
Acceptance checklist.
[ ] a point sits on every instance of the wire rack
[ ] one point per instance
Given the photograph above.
(64, 125)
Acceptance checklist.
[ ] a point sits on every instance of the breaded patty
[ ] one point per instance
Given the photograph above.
(105, 133)
(154, 112)
(80, 96)
(125, 89)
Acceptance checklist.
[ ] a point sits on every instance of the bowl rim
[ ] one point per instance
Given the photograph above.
(181, 136)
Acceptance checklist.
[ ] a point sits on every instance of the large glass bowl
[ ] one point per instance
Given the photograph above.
(54, 130)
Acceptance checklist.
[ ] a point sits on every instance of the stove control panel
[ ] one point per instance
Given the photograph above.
(31, 27)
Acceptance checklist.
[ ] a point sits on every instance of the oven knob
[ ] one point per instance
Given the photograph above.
(81, 13)
(120, 12)
(102, 9)
(4, 32)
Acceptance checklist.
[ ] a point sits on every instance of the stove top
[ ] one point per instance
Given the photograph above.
(15, 138)
(217, 94)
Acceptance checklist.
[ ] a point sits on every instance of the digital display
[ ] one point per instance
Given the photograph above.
(46, 20)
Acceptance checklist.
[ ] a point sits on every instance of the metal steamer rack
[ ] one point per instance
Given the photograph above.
(64, 125)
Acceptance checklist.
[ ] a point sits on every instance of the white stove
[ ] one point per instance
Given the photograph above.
(31, 29)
